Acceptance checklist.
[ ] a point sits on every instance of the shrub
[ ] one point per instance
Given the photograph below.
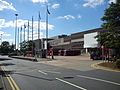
(118, 63)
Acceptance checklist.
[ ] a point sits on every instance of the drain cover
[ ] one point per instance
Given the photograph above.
(68, 77)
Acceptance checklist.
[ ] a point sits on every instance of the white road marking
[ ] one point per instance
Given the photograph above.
(71, 84)
(42, 72)
(98, 79)
(53, 72)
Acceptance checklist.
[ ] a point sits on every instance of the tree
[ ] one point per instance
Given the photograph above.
(27, 46)
(5, 47)
(111, 19)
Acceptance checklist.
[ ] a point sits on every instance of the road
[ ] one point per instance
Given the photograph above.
(27, 75)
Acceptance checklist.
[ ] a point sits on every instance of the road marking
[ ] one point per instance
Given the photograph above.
(42, 72)
(12, 83)
(98, 79)
(71, 84)
(53, 72)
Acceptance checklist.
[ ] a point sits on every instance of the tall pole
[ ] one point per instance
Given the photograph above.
(18, 40)
(15, 30)
(39, 18)
(1, 38)
(24, 32)
(20, 37)
(47, 12)
(28, 31)
(32, 37)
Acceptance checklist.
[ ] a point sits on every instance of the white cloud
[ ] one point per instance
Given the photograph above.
(93, 3)
(40, 1)
(67, 17)
(20, 22)
(4, 34)
(55, 6)
(79, 16)
(6, 5)
(114, 1)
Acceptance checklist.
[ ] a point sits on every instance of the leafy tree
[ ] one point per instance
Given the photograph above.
(27, 46)
(5, 47)
(111, 22)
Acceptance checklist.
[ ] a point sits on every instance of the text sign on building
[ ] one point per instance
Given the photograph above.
(90, 41)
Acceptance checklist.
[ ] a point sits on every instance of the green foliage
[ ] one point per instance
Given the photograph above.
(6, 48)
(111, 22)
(118, 63)
(27, 46)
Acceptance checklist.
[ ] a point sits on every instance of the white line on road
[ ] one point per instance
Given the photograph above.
(71, 84)
(98, 79)
(53, 72)
(42, 72)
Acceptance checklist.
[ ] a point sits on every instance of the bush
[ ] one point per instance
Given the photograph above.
(118, 63)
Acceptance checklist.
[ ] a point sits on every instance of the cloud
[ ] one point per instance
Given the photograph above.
(93, 3)
(55, 6)
(79, 16)
(114, 1)
(67, 17)
(6, 5)
(4, 34)
(40, 1)
(21, 22)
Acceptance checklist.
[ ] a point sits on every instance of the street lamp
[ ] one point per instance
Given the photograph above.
(15, 30)
(1, 38)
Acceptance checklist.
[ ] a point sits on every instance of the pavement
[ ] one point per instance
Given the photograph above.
(82, 62)
(64, 72)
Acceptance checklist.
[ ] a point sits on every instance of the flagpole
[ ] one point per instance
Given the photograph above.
(32, 36)
(39, 18)
(24, 32)
(18, 39)
(47, 12)
(28, 31)
(39, 26)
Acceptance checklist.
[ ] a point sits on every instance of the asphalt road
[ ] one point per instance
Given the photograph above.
(29, 75)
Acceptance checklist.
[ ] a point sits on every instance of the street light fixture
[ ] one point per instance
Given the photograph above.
(15, 30)
(1, 38)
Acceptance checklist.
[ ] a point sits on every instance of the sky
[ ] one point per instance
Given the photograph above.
(66, 16)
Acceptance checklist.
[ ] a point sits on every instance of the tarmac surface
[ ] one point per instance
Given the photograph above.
(45, 69)
(82, 62)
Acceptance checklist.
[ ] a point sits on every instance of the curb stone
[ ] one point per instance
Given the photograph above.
(96, 66)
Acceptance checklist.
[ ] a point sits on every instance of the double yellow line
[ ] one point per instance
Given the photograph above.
(12, 83)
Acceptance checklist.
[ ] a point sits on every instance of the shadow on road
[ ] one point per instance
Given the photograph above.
(6, 64)
(34, 76)
(4, 59)
(6, 73)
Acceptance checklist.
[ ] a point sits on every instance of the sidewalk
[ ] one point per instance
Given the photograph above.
(81, 62)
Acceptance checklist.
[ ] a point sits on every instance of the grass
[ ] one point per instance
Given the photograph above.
(110, 65)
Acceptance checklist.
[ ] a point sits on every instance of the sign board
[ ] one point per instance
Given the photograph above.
(90, 41)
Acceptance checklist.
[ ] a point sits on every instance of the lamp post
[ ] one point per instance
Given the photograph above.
(15, 30)
(1, 38)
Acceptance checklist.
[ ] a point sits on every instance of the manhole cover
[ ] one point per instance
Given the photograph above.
(68, 77)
